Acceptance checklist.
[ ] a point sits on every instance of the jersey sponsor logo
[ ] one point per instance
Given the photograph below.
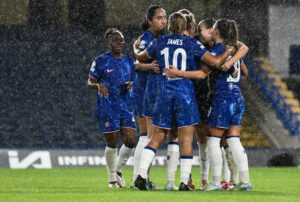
(106, 124)
(110, 70)
(37, 159)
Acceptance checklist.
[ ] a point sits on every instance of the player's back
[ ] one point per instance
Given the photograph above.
(222, 83)
(179, 51)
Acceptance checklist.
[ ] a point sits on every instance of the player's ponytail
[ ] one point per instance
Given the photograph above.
(232, 33)
(150, 13)
(177, 23)
(228, 31)
(190, 20)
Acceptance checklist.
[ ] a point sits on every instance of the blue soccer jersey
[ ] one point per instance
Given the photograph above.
(140, 79)
(228, 104)
(114, 111)
(176, 99)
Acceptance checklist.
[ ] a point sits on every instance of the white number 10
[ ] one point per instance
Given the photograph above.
(178, 51)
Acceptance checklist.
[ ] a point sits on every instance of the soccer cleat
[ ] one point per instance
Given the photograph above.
(169, 187)
(203, 183)
(120, 180)
(191, 183)
(242, 187)
(141, 183)
(225, 185)
(133, 187)
(154, 186)
(230, 187)
(113, 185)
(211, 187)
(184, 187)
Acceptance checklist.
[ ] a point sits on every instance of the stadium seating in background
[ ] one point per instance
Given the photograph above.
(294, 60)
(276, 92)
(250, 136)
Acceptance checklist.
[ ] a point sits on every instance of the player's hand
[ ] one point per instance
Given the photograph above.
(102, 89)
(230, 49)
(129, 85)
(155, 67)
(235, 73)
(171, 71)
(225, 67)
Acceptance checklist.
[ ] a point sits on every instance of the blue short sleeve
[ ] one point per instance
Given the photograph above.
(151, 48)
(96, 70)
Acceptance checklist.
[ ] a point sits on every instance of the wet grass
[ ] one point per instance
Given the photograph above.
(90, 184)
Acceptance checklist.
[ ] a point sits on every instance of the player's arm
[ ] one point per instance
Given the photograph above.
(242, 50)
(195, 74)
(244, 69)
(217, 61)
(148, 53)
(142, 56)
(153, 66)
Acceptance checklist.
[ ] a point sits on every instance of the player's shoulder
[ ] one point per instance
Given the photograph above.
(147, 35)
(219, 47)
(195, 43)
(128, 58)
(102, 58)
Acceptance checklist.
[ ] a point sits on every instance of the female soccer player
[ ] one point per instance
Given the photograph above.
(153, 27)
(205, 28)
(111, 75)
(226, 109)
(176, 100)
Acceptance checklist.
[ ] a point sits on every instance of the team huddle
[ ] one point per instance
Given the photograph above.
(184, 82)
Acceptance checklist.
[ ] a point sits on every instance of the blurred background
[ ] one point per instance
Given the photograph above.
(47, 47)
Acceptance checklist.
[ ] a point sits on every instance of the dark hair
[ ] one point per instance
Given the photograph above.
(190, 19)
(109, 32)
(228, 31)
(150, 13)
(177, 23)
(208, 23)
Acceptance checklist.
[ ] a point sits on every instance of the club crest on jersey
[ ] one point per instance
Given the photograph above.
(106, 124)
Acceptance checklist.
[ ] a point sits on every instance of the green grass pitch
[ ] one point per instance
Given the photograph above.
(90, 184)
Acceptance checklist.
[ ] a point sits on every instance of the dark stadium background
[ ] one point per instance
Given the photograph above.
(47, 47)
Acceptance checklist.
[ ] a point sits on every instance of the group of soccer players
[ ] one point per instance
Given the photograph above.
(163, 93)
